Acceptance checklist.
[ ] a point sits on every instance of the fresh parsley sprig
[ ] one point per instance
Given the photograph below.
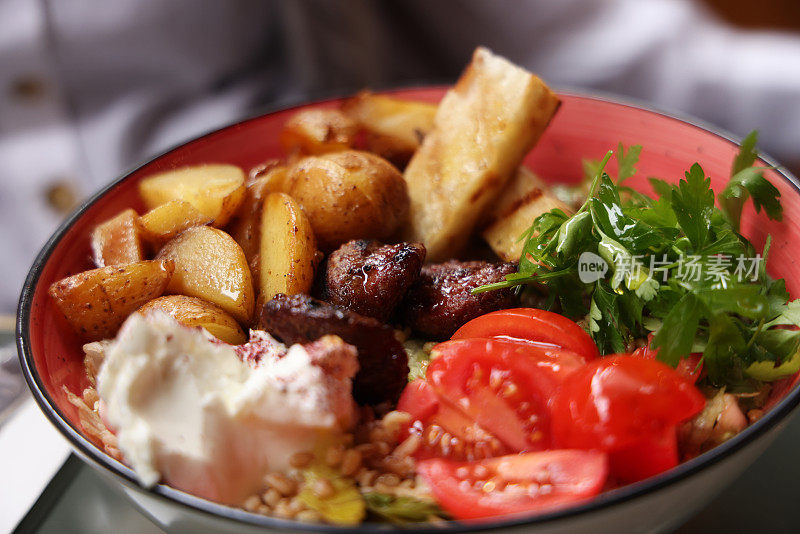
(678, 269)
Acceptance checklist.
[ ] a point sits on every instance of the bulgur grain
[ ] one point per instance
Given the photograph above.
(382, 448)
(366, 449)
(283, 510)
(366, 477)
(333, 456)
(285, 485)
(252, 503)
(271, 497)
(394, 420)
(296, 505)
(323, 488)
(263, 509)
(309, 516)
(408, 446)
(351, 462)
(388, 479)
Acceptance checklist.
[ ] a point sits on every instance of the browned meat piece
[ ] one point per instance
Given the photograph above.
(369, 277)
(382, 360)
(440, 301)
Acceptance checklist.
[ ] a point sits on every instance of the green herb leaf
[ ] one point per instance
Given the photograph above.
(627, 161)
(693, 204)
(748, 181)
(604, 323)
(676, 336)
(402, 509)
(725, 344)
(419, 356)
(747, 153)
(728, 310)
(768, 371)
(662, 188)
(789, 314)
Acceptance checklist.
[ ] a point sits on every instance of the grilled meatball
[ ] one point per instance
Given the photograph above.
(382, 360)
(369, 277)
(440, 301)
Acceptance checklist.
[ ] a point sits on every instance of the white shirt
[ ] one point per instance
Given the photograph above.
(115, 82)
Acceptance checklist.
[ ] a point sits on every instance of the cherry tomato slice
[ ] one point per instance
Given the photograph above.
(548, 365)
(690, 366)
(532, 482)
(485, 398)
(503, 385)
(614, 402)
(654, 454)
(445, 431)
(534, 325)
(419, 400)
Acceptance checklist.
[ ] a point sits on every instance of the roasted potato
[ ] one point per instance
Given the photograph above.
(164, 222)
(215, 190)
(348, 195)
(245, 226)
(484, 126)
(312, 132)
(96, 302)
(525, 198)
(288, 248)
(394, 128)
(191, 311)
(117, 241)
(211, 266)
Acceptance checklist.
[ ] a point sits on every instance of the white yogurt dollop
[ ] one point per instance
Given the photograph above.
(187, 411)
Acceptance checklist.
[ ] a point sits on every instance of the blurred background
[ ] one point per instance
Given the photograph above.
(89, 88)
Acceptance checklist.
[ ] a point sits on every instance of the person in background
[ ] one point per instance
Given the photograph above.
(88, 88)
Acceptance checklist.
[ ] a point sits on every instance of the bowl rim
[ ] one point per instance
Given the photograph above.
(99, 459)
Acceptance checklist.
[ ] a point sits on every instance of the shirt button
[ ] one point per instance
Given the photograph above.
(28, 88)
(61, 197)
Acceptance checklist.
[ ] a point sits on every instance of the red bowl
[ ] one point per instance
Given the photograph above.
(585, 127)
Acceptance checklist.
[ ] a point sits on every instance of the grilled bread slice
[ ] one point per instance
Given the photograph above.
(483, 128)
(525, 198)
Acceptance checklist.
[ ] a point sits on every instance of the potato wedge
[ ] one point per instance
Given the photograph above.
(484, 126)
(97, 302)
(288, 248)
(348, 195)
(191, 311)
(215, 190)
(164, 222)
(117, 241)
(512, 214)
(211, 266)
(394, 127)
(312, 132)
(245, 226)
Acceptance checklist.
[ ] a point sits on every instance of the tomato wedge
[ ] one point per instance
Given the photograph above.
(546, 366)
(445, 431)
(652, 455)
(503, 385)
(532, 482)
(486, 397)
(690, 366)
(621, 404)
(533, 325)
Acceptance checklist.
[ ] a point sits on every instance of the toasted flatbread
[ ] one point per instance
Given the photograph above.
(525, 198)
(483, 128)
